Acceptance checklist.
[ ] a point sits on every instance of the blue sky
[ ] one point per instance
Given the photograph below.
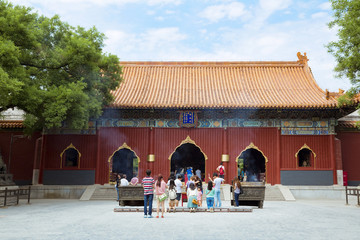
(207, 30)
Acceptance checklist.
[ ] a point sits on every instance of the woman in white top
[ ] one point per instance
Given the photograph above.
(192, 195)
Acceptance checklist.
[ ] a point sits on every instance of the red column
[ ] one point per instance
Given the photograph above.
(332, 156)
(151, 155)
(225, 156)
(37, 158)
(42, 157)
(97, 170)
(278, 158)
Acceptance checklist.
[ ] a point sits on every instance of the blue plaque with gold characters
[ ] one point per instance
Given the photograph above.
(188, 119)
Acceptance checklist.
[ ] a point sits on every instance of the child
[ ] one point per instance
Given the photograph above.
(191, 180)
(172, 195)
(199, 197)
(210, 193)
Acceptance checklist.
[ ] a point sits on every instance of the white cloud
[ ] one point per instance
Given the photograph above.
(257, 40)
(301, 15)
(265, 9)
(230, 11)
(62, 6)
(325, 6)
(163, 2)
(319, 15)
(161, 37)
(100, 2)
(145, 45)
(119, 41)
(274, 5)
(160, 18)
(169, 12)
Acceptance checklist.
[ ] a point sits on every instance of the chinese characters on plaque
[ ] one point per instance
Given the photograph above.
(188, 119)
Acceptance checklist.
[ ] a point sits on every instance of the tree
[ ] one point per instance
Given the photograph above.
(347, 49)
(54, 72)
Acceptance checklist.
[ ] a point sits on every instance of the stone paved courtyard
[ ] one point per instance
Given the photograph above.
(73, 219)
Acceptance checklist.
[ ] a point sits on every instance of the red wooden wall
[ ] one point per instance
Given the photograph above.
(263, 138)
(168, 139)
(54, 145)
(110, 139)
(350, 150)
(162, 142)
(22, 157)
(210, 141)
(320, 145)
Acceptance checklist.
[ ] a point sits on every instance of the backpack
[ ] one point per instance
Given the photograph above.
(221, 170)
(172, 194)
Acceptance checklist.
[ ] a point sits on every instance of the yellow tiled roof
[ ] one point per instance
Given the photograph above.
(220, 85)
(11, 124)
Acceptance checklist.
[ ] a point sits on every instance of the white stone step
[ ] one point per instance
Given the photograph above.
(273, 193)
(89, 191)
(286, 193)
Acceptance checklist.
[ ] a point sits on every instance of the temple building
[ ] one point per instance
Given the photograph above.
(269, 121)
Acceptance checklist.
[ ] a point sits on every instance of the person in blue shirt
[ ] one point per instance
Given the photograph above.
(189, 172)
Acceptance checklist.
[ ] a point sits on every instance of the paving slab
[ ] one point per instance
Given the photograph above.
(74, 219)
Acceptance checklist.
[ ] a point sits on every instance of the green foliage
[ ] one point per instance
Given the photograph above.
(56, 73)
(347, 98)
(347, 49)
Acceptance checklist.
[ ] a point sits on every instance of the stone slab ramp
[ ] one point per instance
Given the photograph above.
(104, 192)
(273, 193)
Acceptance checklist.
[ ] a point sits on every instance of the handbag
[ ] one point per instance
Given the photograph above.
(162, 197)
(194, 201)
(241, 190)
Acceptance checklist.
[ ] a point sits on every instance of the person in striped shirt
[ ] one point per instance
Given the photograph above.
(148, 185)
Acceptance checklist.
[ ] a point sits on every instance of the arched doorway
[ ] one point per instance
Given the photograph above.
(305, 157)
(186, 155)
(124, 160)
(70, 157)
(252, 163)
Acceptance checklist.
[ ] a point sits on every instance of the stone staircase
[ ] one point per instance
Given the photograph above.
(273, 193)
(104, 192)
(108, 192)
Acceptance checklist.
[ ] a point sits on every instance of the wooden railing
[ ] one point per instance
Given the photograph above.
(12, 196)
(352, 192)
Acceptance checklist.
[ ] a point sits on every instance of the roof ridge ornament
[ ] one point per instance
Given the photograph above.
(329, 94)
(302, 58)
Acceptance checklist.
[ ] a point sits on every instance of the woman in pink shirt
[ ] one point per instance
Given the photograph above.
(160, 188)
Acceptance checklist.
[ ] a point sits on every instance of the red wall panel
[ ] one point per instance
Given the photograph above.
(110, 139)
(22, 154)
(350, 142)
(320, 145)
(263, 138)
(168, 139)
(54, 145)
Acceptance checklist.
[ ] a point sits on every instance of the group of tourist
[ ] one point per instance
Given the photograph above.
(121, 181)
(173, 191)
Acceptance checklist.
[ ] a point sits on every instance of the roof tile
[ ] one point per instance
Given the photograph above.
(220, 85)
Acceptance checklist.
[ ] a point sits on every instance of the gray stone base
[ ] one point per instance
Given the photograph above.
(353, 183)
(184, 209)
(309, 178)
(318, 192)
(57, 191)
